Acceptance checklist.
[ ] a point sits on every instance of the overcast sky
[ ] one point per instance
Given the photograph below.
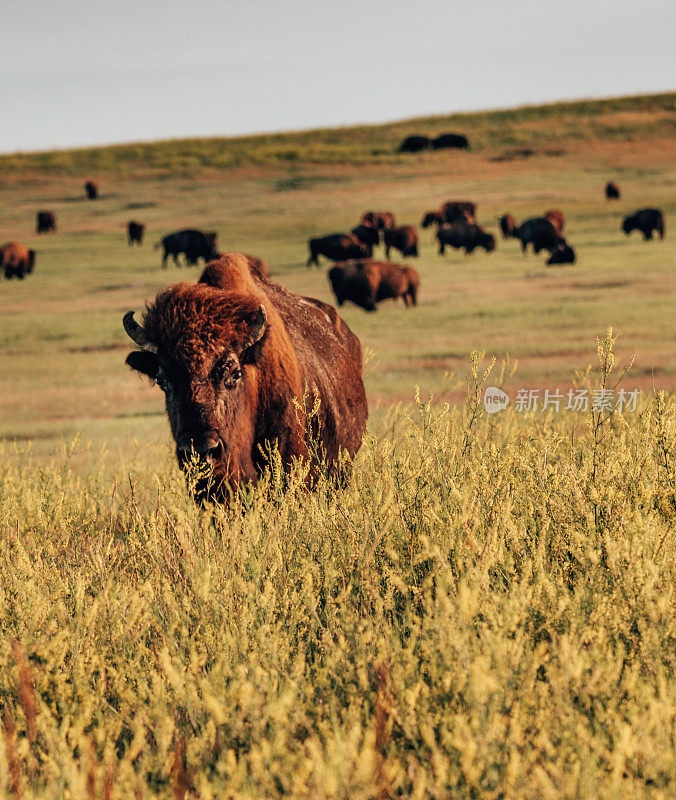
(94, 72)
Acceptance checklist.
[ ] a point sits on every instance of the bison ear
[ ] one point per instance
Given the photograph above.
(145, 362)
(257, 328)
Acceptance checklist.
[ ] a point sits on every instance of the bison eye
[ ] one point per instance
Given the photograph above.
(227, 372)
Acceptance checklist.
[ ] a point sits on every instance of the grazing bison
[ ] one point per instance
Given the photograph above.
(456, 140)
(463, 235)
(414, 144)
(507, 224)
(193, 244)
(539, 232)
(91, 190)
(432, 218)
(232, 353)
(612, 191)
(459, 211)
(366, 283)
(337, 247)
(378, 219)
(16, 259)
(645, 220)
(367, 234)
(45, 222)
(403, 239)
(561, 254)
(557, 218)
(135, 232)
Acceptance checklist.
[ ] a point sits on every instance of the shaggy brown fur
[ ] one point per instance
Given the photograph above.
(459, 211)
(378, 219)
(366, 283)
(258, 265)
(231, 353)
(557, 218)
(16, 259)
(404, 239)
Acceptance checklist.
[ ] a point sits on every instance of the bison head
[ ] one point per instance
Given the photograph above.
(489, 242)
(200, 346)
(628, 225)
(367, 234)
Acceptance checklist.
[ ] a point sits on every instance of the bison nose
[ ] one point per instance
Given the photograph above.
(209, 449)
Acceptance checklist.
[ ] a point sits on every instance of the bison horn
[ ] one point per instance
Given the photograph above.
(258, 326)
(136, 333)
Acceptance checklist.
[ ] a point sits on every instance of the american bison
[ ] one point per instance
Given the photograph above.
(403, 239)
(16, 259)
(612, 191)
(234, 354)
(135, 232)
(645, 220)
(366, 283)
(367, 234)
(557, 218)
(337, 247)
(192, 243)
(507, 224)
(459, 211)
(539, 232)
(463, 235)
(378, 219)
(457, 140)
(45, 222)
(91, 190)
(432, 218)
(561, 254)
(414, 144)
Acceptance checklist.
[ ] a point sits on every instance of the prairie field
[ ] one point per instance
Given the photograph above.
(485, 610)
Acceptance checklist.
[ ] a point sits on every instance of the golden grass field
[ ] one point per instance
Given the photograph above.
(485, 611)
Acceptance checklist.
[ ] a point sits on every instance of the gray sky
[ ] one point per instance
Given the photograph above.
(78, 72)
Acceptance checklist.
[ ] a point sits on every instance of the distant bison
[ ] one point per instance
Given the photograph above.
(367, 234)
(378, 219)
(366, 283)
(456, 140)
(459, 211)
(91, 190)
(16, 260)
(612, 191)
(414, 144)
(561, 254)
(192, 243)
(45, 222)
(135, 232)
(557, 218)
(432, 218)
(645, 220)
(539, 232)
(234, 354)
(507, 225)
(337, 247)
(463, 235)
(403, 239)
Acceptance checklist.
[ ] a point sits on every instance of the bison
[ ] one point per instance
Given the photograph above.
(645, 220)
(459, 211)
(236, 356)
(612, 191)
(91, 190)
(463, 235)
(561, 254)
(457, 140)
(507, 225)
(432, 218)
(557, 218)
(135, 232)
(45, 222)
(192, 243)
(366, 283)
(337, 247)
(367, 234)
(414, 144)
(378, 219)
(16, 259)
(539, 232)
(403, 239)
(258, 265)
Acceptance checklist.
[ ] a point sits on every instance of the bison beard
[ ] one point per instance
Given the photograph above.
(231, 353)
